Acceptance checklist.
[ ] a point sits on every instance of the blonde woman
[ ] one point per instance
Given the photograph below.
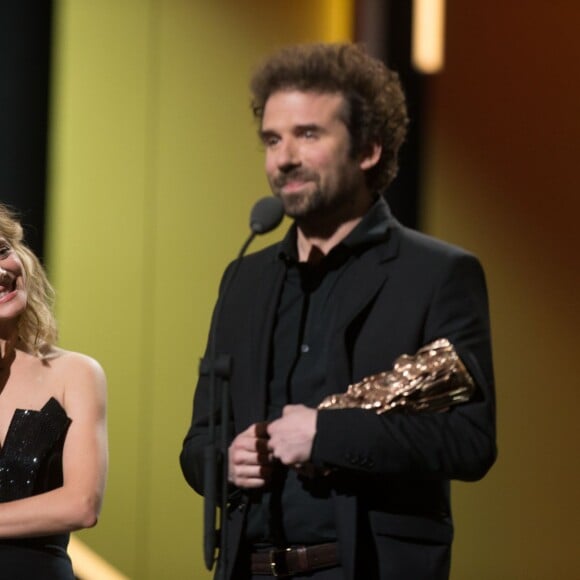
(53, 439)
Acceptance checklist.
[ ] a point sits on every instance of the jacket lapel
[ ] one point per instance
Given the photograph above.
(361, 284)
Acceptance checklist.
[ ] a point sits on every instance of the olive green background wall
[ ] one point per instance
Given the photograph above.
(154, 168)
(155, 165)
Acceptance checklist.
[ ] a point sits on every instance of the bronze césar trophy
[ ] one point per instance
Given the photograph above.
(433, 379)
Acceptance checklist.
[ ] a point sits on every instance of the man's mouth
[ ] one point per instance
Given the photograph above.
(292, 182)
(294, 175)
(292, 186)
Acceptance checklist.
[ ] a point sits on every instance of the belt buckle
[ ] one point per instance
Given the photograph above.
(278, 564)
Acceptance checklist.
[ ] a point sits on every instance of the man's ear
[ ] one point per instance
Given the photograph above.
(370, 156)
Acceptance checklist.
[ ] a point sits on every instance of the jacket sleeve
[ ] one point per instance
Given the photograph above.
(455, 444)
(198, 439)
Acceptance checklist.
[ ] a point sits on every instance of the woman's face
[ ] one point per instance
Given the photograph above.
(13, 294)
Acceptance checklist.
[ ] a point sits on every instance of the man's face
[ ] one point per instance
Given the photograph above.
(308, 161)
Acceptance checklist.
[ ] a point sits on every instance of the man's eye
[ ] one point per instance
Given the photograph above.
(271, 141)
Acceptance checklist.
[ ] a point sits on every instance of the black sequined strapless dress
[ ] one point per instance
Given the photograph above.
(31, 463)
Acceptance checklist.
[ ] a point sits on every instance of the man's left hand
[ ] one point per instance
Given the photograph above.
(292, 435)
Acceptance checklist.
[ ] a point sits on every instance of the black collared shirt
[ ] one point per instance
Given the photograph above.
(295, 509)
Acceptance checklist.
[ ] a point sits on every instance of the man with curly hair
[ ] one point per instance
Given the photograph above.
(343, 494)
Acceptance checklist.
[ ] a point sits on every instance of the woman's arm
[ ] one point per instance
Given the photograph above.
(77, 503)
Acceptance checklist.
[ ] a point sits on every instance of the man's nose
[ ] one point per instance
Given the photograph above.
(288, 156)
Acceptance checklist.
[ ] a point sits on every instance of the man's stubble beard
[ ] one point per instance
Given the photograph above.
(315, 204)
(298, 205)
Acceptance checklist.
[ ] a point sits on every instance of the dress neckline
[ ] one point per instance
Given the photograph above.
(52, 405)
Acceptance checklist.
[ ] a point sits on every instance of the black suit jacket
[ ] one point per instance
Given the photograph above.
(391, 471)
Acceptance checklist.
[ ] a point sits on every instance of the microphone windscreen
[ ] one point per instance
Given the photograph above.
(266, 215)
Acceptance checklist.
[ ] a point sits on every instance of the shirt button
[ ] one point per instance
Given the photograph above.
(304, 348)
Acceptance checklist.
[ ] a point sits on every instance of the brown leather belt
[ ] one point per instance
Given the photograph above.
(286, 562)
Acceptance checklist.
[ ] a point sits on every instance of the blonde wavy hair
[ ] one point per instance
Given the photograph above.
(37, 333)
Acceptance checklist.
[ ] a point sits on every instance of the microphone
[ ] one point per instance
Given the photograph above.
(265, 216)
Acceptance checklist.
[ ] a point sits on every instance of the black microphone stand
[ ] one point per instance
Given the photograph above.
(266, 215)
(218, 368)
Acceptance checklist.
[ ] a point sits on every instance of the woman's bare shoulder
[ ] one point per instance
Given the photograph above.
(75, 367)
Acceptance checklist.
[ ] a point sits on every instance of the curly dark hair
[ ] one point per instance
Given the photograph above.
(375, 110)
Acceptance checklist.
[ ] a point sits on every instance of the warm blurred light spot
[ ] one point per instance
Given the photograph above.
(337, 18)
(428, 35)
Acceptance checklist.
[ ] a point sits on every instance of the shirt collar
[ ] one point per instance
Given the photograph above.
(370, 230)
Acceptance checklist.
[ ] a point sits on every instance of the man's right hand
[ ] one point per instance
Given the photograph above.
(249, 461)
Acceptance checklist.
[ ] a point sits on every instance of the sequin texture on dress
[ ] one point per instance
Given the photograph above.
(31, 457)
